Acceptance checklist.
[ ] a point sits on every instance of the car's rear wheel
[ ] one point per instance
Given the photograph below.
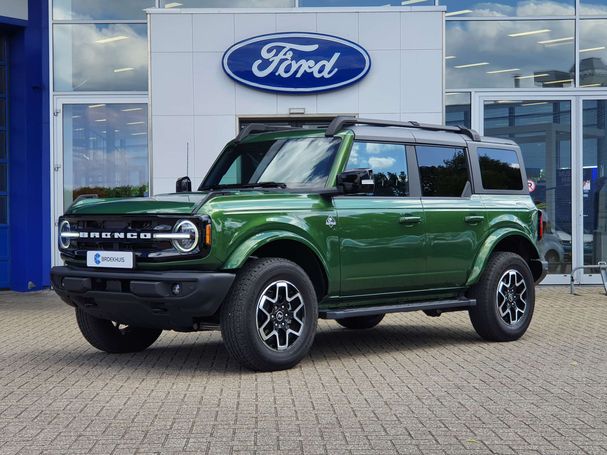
(505, 298)
(268, 321)
(112, 337)
(361, 322)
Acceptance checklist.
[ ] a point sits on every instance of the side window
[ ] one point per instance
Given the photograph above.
(389, 165)
(442, 170)
(500, 169)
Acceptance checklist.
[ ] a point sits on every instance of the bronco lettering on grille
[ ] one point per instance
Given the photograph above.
(116, 235)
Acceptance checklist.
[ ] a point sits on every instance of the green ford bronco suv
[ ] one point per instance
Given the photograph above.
(350, 222)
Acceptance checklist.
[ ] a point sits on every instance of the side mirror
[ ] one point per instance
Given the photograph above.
(356, 181)
(183, 185)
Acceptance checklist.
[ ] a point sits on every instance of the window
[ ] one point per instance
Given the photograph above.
(593, 53)
(227, 4)
(442, 170)
(458, 109)
(100, 9)
(298, 162)
(100, 57)
(500, 169)
(510, 54)
(464, 8)
(389, 165)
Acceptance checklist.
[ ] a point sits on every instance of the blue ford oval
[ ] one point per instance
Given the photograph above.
(296, 62)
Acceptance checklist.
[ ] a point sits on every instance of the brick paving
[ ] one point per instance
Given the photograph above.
(412, 385)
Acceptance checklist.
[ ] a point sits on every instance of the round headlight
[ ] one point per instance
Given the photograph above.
(186, 245)
(64, 242)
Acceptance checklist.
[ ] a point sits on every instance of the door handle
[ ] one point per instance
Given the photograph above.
(474, 219)
(410, 219)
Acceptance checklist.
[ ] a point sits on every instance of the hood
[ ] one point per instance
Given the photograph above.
(175, 203)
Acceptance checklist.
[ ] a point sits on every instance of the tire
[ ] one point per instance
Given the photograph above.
(496, 317)
(112, 338)
(272, 298)
(361, 322)
(554, 263)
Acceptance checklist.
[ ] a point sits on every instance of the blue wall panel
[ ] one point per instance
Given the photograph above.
(30, 195)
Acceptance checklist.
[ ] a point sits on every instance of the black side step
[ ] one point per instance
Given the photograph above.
(340, 313)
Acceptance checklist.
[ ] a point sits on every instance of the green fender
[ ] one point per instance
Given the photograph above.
(246, 248)
(488, 247)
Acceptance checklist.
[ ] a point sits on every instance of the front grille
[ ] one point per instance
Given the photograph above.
(145, 250)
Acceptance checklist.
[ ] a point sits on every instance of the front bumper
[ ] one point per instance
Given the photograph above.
(143, 299)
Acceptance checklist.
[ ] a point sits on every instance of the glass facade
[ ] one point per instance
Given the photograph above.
(104, 150)
(100, 57)
(100, 9)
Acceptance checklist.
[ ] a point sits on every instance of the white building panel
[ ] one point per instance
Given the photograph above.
(189, 85)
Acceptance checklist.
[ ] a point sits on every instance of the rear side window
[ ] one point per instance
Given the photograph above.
(442, 170)
(500, 169)
(389, 165)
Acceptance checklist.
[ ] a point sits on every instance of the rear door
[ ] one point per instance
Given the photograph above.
(382, 242)
(455, 218)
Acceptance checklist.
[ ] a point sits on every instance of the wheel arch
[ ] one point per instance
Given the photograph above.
(514, 242)
(286, 245)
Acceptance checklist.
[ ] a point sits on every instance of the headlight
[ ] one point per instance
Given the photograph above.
(190, 240)
(64, 240)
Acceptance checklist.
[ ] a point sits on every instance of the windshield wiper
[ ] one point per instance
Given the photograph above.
(244, 185)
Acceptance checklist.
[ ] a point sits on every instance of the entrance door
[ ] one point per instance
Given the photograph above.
(543, 129)
(4, 195)
(101, 147)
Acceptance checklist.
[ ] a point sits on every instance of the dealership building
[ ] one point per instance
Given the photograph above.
(120, 98)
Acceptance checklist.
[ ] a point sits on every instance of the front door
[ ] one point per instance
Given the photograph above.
(381, 235)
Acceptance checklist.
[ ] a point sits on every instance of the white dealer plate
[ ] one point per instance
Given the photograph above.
(110, 259)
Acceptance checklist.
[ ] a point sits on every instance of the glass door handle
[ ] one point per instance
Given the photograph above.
(474, 219)
(410, 219)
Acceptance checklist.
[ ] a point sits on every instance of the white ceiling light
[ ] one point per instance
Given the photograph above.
(556, 40)
(111, 39)
(471, 65)
(449, 57)
(590, 49)
(457, 13)
(101, 120)
(562, 81)
(131, 109)
(175, 5)
(509, 70)
(139, 134)
(122, 70)
(531, 32)
(532, 76)
(136, 123)
(93, 106)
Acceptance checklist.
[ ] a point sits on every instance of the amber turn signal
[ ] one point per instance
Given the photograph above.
(207, 234)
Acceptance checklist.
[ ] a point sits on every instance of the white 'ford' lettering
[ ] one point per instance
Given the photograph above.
(279, 59)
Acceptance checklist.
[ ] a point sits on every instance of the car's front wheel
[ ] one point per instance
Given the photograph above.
(268, 321)
(113, 337)
(505, 298)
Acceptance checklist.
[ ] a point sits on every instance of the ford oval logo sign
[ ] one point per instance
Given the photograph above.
(296, 62)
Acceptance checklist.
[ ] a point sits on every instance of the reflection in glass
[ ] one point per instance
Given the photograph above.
(543, 131)
(105, 150)
(388, 163)
(593, 7)
(594, 184)
(593, 53)
(100, 9)
(500, 169)
(457, 109)
(227, 4)
(337, 3)
(494, 8)
(442, 170)
(510, 54)
(99, 57)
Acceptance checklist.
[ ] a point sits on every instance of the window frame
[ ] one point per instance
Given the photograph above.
(411, 164)
(476, 169)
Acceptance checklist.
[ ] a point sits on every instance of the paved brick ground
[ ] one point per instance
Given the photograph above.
(412, 385)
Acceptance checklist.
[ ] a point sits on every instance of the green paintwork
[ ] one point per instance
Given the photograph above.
(381, 249)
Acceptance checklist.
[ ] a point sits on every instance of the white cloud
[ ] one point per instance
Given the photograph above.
(377, 162)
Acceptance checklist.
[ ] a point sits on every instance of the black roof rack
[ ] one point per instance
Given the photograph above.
(338, 123)
(253, 128)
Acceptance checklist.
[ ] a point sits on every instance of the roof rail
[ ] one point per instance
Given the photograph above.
(252, 128)
(338, 123)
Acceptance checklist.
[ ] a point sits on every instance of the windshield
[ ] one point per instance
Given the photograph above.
(297, 162)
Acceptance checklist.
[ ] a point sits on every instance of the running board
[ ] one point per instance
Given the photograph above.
(340, 313)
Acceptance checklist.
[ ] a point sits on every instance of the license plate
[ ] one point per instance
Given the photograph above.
(110, 259)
